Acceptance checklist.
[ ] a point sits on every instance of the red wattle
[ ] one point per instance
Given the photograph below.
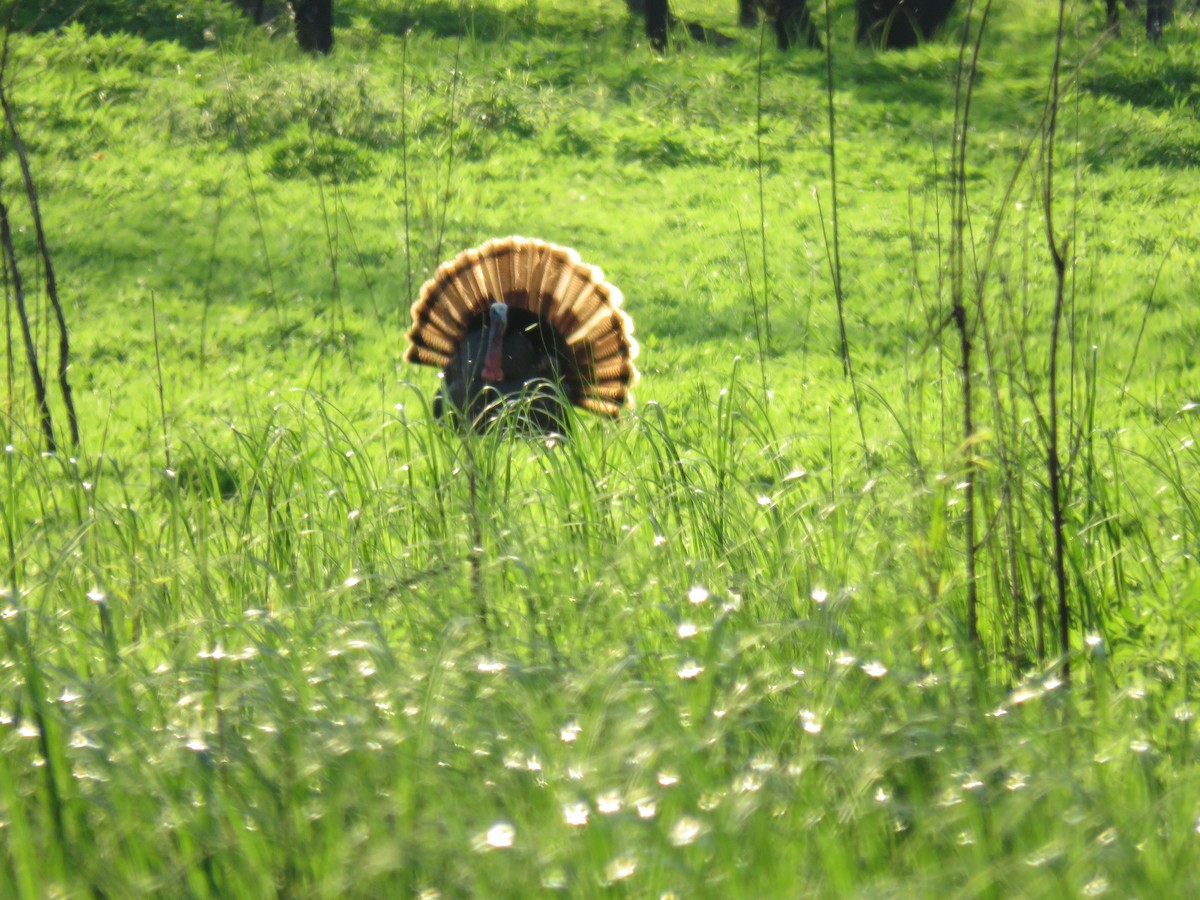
(493, 362)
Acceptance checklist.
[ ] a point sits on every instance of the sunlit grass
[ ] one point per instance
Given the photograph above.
(296, 638)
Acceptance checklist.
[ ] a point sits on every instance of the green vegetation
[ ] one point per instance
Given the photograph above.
(272, 631)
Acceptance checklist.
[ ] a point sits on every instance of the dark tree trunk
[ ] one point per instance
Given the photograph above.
(1158, 14)
(794, 25)
(899, 24)
(255, 9)
(1114, 17)
(656, 23)
(314, 25)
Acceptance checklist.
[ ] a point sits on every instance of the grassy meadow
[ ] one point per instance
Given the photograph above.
(271, 630)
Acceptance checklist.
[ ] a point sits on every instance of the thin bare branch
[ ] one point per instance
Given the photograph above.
(1058, 253)
(964, 86)
(35, 371)
(64, 340)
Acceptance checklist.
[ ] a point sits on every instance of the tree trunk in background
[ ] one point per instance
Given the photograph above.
(1114, 17)
(899, 24)
(794, 25)
(748, 13)
(656, 23)
(314, 25)
(1158, 14)
(255, 9)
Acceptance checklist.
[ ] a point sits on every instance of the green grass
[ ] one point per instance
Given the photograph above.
(294, 638)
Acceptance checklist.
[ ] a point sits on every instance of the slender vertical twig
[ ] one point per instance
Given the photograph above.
(162, 404)
(332, 239)
(833, 249)
(352, 238)
(408, 294)
(758, 328)
(1137, 341)
(476, 553)
(64, 340)
(836, 261)
(208, 276)
(242, 144)
(762, 210)
(9, 374)
(963, 89)
(958, 314)
(1058, 256)
(445, 198)
(262, 235)
(35, 371)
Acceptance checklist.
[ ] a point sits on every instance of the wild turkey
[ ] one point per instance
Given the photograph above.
(522, 325)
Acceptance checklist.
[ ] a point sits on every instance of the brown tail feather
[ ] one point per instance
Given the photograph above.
(549, 281)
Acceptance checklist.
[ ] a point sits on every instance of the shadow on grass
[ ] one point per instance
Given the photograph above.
(899, 78)
(1171, 85)
(482, 22)
(190, 25)
(154, 20)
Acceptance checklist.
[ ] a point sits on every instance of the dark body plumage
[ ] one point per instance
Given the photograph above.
(521, 329)
(531, 396)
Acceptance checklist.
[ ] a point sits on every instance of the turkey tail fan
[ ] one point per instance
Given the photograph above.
(575, 330)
